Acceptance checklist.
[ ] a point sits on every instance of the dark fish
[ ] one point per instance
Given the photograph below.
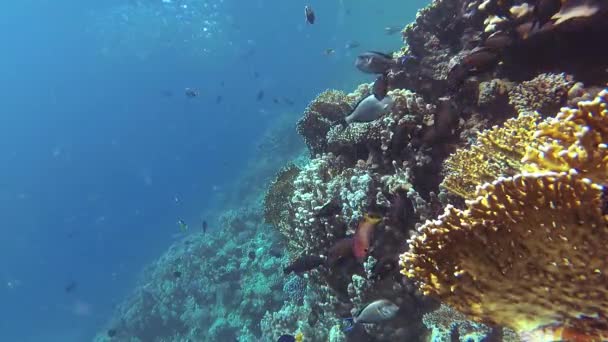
(309, 14)
(260, 95)
(329, 52)
(498, 40)
(390, 30)
(218, 99)
(190, 92)
(380, 87)
(112, 333)
(276, 101)
(71, 287)
(287, 338)
(177, 274)
(251, 255)
(304, 263)
(480, 58)
(222, 83)
(373, 62)
(204, 226)
(343, 248)
(256, 74)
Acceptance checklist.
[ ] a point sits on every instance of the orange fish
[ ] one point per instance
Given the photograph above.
(363, 236)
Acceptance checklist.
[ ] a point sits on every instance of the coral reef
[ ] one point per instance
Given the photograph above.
(527, 251)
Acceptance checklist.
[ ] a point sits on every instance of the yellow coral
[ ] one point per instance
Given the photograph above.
(529, 251)
(497, 152)
(575, 138)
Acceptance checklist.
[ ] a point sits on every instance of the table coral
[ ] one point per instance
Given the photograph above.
(527, 252)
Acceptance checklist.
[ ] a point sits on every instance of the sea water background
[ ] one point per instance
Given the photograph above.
(101, 153)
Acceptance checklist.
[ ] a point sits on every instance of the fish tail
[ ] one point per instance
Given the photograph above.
(371, 218)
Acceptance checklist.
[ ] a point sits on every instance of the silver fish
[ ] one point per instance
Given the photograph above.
(370, 109)
(373, 62)
(378, 311)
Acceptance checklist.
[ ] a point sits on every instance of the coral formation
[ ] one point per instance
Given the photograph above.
(526, 253)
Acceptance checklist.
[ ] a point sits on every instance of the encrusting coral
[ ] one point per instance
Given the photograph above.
(529, 252)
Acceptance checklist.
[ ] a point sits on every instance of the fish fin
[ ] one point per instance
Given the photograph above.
(372, 218)
(384, 54)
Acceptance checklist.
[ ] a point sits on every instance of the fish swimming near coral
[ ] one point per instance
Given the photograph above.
(369, 109)
(376, 312)
(299, 337)
(304, 263)
(364, 235)
(182, 225)
(373, 62)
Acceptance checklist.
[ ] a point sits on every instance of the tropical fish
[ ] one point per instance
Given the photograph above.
(376, 312)
(390, 30)
(364, 235)
(380, 87)
(309, 15)
(373, 62)
(290, 338)
(369, 109)
(304, 263)
(191, 92)
(182, 225)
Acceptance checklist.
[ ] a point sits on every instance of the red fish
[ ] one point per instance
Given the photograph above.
(363, 236)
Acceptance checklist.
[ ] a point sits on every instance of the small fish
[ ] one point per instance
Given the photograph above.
(364, 235)
(260, 95)
(167, 93)
(498, 40)
(276, 101)
(256, 75)
(177, 274)
(290, 338)
(191, 92)
(112, 333)
(309, 15)
(380, 87)
(369, 109)
(182, 225)
(288, 101)
(251, 255)
(373, 62)
(330, 208)
(329, 51)
(204, 226)
(352, 44)
(376, 312)
(71, 287)
(218, 99)
(390, 30)
(304, 263)
(405, 60)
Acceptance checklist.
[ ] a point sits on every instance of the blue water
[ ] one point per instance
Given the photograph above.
(101, 152)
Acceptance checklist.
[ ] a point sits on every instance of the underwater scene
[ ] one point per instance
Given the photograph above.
(282, 171)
